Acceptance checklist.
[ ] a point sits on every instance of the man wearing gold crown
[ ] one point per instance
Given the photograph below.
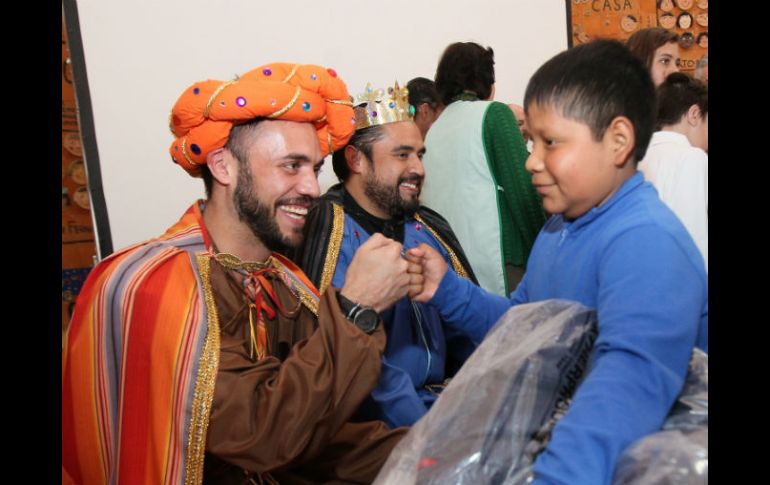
(203, 356)
(382, 175)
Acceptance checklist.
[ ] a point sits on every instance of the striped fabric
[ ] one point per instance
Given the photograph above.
(137, 373)
(130, 363)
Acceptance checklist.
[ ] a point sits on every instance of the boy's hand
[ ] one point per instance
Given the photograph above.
(377, 276)
(433, 270)
(416, 278)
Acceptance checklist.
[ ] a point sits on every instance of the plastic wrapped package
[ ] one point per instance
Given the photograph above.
(498, 411)
(677, 455)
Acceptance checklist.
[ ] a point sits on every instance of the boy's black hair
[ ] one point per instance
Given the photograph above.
(675, 96)
(465, 67)
(593, 84)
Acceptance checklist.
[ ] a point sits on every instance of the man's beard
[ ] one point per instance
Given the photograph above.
(388, 198)
(258, 216)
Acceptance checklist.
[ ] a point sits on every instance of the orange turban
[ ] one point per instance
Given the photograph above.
(205, 113)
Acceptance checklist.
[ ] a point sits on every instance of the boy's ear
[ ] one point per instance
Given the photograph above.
(221, 166)
(621, 138)
(693, 115)
(354, 158)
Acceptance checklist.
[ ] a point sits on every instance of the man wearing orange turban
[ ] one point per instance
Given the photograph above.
(205, 356)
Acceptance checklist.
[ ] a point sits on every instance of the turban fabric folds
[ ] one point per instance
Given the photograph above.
(205, 113)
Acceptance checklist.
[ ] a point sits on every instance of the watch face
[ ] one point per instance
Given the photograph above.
(367, 320)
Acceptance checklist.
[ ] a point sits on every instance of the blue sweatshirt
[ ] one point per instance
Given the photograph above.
(634, 262)
(419, 351)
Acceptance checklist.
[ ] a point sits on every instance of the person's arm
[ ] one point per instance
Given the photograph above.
(460, 303)
(649, 310)
(275, 413)
(507, 153)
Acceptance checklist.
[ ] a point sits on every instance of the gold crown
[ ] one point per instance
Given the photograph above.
(378, 107)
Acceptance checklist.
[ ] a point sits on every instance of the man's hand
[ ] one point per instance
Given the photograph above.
(433, 270)
(377, 276)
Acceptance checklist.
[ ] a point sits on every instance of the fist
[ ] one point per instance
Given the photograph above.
(377, 276)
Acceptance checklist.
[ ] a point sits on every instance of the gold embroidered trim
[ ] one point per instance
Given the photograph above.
(186, 155)
(307, 299)
(216, 93)
(339, 101)
(333, 252)
(204, 383)
(288, 106)
(452, 256)
(231, 261)
(291, 73)
(329, 139)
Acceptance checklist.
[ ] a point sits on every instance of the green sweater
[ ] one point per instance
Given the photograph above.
(521, 209)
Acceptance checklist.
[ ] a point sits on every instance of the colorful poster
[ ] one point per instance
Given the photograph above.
(689, 19)
(619, 19)
(78, 244)
(609, 19)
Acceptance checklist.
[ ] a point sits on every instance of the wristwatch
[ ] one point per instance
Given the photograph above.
(364, 317)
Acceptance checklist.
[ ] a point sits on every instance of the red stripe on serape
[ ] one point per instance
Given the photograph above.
(149, 386)
(84, 458)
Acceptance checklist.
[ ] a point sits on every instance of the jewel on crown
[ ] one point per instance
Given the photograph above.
(378, 106)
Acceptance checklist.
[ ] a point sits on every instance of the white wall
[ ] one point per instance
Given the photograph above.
(141, 54)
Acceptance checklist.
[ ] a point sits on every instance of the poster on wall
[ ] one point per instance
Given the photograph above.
(619, 19)
(78, 244)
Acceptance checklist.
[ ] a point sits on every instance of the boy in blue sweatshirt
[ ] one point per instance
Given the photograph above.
(611, 245)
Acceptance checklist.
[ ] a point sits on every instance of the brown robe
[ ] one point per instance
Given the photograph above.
(284, 418)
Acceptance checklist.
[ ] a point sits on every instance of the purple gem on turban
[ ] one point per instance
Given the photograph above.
(313, 77)
(374, 114)
(390, 90)
(195, 149)
(196, 90)
(353, 120)
(240, 101)
(332, 72)
(306, 106)
(267, 71)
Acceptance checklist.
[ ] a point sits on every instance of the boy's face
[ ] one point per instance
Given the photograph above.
(571, 171)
